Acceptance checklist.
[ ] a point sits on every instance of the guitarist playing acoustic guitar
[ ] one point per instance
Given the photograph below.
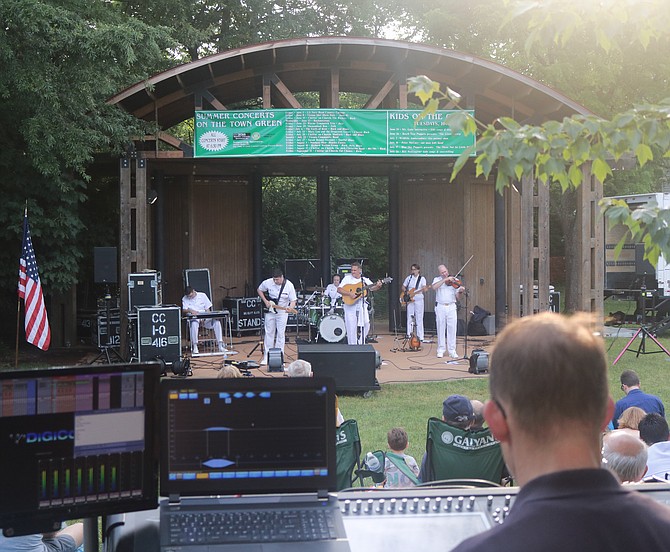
(354, 289)
(412, 296)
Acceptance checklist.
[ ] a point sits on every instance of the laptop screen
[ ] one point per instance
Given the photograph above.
(247, 436)
(77, 442)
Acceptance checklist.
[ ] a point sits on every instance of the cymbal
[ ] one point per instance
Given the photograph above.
(316, 289)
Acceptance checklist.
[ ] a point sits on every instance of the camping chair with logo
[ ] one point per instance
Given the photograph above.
(348, 454)
(453, 453)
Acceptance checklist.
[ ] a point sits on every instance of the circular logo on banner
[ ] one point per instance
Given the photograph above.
(447, 437)
(213, 141)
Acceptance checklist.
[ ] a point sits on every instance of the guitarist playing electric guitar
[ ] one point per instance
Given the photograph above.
(354, 288)
(279, 297)
(412, 296)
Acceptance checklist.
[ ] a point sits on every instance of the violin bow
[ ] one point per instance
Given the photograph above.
(466, 264)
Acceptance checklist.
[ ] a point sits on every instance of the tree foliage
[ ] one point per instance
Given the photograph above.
(556, 152)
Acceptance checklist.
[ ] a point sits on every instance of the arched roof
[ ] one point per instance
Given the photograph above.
(272, 73)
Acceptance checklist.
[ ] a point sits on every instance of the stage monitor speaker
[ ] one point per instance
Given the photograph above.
(104, 265)
(351, 366)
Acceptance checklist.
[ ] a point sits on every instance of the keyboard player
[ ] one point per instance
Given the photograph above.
(195, 303)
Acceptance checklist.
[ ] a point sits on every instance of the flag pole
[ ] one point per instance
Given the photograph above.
(18, 321)
(18, 304)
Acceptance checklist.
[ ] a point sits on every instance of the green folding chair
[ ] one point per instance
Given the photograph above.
(348, 453)
(453, 453)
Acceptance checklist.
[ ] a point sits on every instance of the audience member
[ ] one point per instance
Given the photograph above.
(549, 405)
(229, 371)
(625, 456)
(400, 469)
(629, 420)
(67, 539)
(630, 385)
(478, 419)
(457, 412)
(302, 369)
(299, 369)
(654, 431)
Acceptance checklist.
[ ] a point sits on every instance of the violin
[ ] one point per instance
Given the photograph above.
(456, 283)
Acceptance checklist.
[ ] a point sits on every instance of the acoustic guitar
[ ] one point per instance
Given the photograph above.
(360, 291)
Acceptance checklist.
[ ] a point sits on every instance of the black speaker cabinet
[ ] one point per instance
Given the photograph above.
(104, 265)
(351, 366)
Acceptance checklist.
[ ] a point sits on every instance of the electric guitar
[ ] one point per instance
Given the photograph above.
(273, 308)
(360, 291)
(407, 296)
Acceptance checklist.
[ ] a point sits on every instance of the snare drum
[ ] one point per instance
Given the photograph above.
(332, 328)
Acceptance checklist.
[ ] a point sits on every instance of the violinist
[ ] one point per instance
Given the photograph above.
(448, 291)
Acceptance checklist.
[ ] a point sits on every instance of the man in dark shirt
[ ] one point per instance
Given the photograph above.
(549, 404)
(630, 385)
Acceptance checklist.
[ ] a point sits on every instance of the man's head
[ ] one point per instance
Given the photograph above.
(443, 270)
(416, 269)
(397, 439)
(299, 369)
(629, 380)
(190, 292)
(548, 373)
(653, 429)
(625, 455)
(336, 279)
(356, 269)
(478, 410)
(278, 276)
(457, 411)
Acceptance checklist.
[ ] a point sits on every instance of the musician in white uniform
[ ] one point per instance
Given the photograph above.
(331, 292)
(196, 302)
(446, 316)
(356, 315)
(280, 292)
(415, 308)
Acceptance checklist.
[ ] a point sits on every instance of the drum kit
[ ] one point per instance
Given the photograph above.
(319, 312)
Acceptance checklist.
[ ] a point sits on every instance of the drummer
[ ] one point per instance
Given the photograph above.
(331, 295)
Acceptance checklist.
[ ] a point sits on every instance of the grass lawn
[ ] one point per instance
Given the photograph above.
(409, 405)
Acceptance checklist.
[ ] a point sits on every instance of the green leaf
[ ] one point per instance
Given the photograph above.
(601, 169)
(643, 153)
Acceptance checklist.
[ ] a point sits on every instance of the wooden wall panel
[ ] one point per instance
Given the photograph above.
(220, 236)
(208, 225)
(478, 240)
(442, 222)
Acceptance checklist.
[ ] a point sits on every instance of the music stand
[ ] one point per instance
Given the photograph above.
(642, 349)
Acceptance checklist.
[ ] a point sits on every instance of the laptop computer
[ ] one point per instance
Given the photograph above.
(256, 451)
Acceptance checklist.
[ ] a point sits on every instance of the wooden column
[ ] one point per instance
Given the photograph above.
(541, 255)
(590, 287)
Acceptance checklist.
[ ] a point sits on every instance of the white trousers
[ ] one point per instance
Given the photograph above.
(275, 331)
(415, 317)
(447, 321)
(356, 317)
(209, 323)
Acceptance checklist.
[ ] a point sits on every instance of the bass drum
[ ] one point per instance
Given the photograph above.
(332, 328)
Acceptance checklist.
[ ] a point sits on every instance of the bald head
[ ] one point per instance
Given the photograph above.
(625, 455)
(478, 409)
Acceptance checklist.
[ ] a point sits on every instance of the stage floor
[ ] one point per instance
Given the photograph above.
(397, 366)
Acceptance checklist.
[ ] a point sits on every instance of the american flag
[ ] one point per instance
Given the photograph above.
(37, 324)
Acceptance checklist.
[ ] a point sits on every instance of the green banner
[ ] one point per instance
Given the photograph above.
(359, 132)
